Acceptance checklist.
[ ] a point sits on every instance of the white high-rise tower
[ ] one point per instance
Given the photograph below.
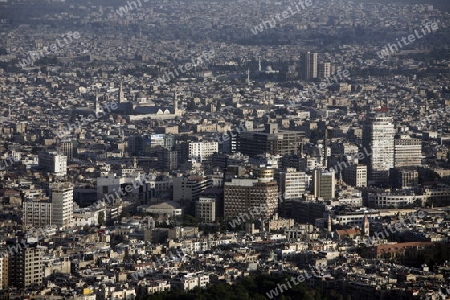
(378, 139)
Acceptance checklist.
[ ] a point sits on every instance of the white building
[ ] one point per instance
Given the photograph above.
(53, 162)
(62, 204)
(202, 151)
(89, 216)
(191, 281)
(292, 184)
(387, 200)
(378, 136)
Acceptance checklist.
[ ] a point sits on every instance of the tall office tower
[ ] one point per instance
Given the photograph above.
(310, 65)
(270, 141)
(325, 70)
(378, 139)
(53, 162)
(62, 204)
(355, 175)
(25, 263)
(407, 152)
(66, 148)
(324, 183)
(292, 184)
(243, 195)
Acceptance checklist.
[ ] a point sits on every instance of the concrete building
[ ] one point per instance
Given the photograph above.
(202, 151)
(324, 184)
(53, 162)
(67, 149)
(62, 204)
(291, 183)
(243, 195)
(37, 213)
(407, 152)
(395, 199)
(205, 209)
(325, 70)
(355, 175)
(271, 141)
(25, 264)
(378, 136)
(309, 65)
(189, 188)
(4, 270)
(403, 178)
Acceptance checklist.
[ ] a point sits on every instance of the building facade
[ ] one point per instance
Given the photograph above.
(62, 204)
(378, 136)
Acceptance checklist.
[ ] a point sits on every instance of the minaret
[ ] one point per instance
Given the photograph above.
(329, 223)
(96, 105)
(121, 96)
(366, 225)
(248, 76)
(325, 147)
(259, 64)
(175, 104)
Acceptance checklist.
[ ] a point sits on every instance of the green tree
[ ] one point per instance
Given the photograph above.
(101, 218)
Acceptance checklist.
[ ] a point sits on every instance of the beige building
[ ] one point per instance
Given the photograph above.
(62, 204)
(356, 175)
(25, 264)
(324, 183)
(407, 152)
(243, 195)
(37, 213)
(205, 209)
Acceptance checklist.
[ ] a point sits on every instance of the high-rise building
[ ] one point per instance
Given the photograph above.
(324, 183)
(202, 151)
(407, 152)
(66, 148)
(241, 195)
(205, 209)
(190, 188)
(378, 136)
(53, 162)
(355, 175)
(139, 145)
(271, 141)
(310, 65)
(37, 213)
(62, 204)
(25, 263)
(292, 184)
(325, 70)
(4, 272)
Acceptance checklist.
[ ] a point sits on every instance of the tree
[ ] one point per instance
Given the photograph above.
(101, 218)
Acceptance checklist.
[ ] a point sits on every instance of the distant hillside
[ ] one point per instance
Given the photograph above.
(439, 4)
